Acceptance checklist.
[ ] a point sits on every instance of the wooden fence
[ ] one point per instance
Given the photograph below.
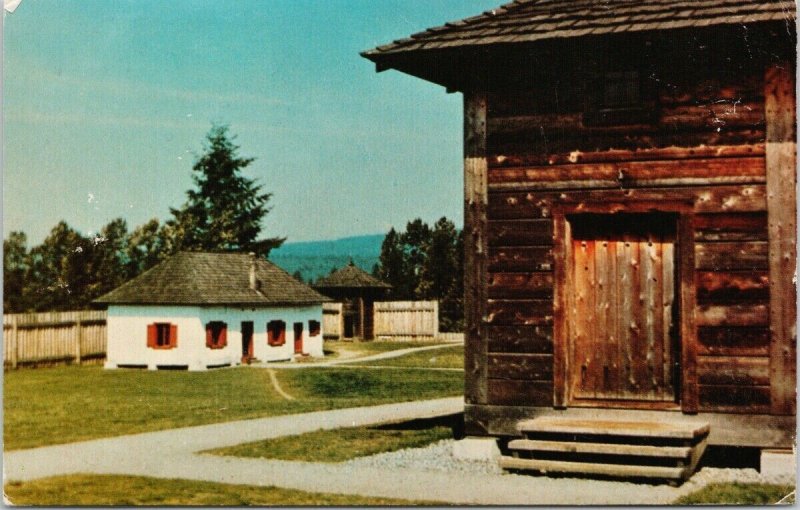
(407, 320)
(332, 321)
(53, 337)
(393, 320)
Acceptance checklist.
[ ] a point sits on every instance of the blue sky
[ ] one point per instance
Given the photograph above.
(106, 104)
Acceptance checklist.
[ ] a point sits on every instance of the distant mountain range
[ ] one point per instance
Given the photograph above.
(317, 258)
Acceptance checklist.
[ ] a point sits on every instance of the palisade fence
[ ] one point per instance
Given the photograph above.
(406, 320)
(31, 339)
(393, 320)
(332, 321)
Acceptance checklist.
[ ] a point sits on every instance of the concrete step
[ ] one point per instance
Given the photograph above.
(640, 429)
(676, 452)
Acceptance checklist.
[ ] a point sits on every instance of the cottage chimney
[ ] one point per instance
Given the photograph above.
(253, 281)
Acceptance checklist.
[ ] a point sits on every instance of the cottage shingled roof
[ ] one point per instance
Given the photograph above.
(351, 276)
(199, 278)
(535, 20)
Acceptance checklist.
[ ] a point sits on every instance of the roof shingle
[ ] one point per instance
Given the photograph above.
(536, 20)
(351, 276)
(199, 278)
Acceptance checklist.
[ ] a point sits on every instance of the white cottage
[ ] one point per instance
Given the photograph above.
(204, 310)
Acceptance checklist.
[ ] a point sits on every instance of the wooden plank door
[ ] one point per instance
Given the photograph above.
(298, 338)
(623, 307)
(247, 341)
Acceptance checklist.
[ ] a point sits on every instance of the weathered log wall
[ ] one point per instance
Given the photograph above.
(706, 146)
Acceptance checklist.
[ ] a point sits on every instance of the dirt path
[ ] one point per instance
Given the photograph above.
(174, 454)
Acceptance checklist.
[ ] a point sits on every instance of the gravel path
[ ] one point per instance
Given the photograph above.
(429, 473)
(439, 457)
(356, 359)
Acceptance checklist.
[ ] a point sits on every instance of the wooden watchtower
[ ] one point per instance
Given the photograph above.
(357, 290)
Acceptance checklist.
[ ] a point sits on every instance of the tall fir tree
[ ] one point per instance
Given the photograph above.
(15, 272)
(416, 242)
(225, 210)
(108, 259)
(392, 267)
(60, 271)
(425, 263)
(145, 248)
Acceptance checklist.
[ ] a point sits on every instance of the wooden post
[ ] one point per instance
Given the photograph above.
(14, 342)
(475, 247)
(781, 158)
(78, 339)
(690, 397)
(361, 318)
(562, 258)
(435, 327)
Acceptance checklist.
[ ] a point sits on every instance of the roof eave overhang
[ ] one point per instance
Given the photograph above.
(242, 304)
(466, 67)
(448, 67)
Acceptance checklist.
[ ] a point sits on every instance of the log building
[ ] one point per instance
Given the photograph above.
(629, 209)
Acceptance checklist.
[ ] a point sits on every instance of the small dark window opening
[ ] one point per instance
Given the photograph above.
(622, 90)
(620, 98)
(313, 328)
(216, 335)
(276, 333)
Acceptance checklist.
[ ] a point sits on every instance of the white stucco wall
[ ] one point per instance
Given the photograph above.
(127, 335)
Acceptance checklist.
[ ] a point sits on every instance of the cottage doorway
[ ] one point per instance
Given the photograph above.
(247, 341)
(298, 338)
(622, 313)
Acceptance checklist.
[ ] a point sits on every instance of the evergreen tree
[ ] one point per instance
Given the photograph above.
(15, 271)
(440, 272)
(416, 242)
(451, 310)
(60, 271)
(108, 259)
(440, 261)
(392, 266)
(146, 247)
(424, 263)
(225, 210)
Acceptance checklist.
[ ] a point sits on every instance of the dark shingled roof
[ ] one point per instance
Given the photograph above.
(535, 20)
(196, 278)
(351, 277)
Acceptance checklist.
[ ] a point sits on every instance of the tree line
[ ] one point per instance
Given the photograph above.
(223, 212)
(425, 263)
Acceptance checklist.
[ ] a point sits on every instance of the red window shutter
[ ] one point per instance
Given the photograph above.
(270, 334)
(223, 336)
(209, 336)
(151, 335)
(173, 335)
(282, 339)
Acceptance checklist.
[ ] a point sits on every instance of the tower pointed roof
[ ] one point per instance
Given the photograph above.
(352, 277)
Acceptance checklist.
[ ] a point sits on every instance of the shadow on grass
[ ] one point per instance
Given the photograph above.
(454, 421)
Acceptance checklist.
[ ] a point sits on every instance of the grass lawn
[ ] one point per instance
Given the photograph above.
(737, 494)
(72, 403)
(337, 347)
(446, 357)
(339, 445)
(97, 490)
